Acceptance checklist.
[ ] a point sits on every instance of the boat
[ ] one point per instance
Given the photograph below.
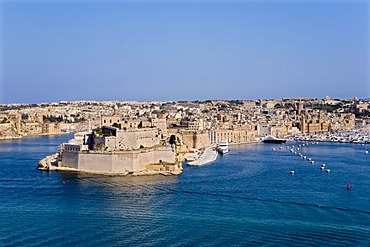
(271, 139)
(223, 148)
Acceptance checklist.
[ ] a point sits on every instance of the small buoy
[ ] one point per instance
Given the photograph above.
(348, 186)
(312, 161)
(292, 172)
(63, 182)
(366, 152)
(273, 149)
(328, 170)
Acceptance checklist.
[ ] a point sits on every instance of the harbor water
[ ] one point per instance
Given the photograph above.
(244, 198)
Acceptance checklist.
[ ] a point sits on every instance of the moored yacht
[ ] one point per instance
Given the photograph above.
(271, 139)
(223, 148)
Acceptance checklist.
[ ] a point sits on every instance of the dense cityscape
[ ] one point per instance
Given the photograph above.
(144, 138)
(237, 120)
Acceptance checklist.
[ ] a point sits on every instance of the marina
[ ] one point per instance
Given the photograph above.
(355, 136)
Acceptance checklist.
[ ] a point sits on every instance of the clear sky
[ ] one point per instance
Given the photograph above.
(183, 50)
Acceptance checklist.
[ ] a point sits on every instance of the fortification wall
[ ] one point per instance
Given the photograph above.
(117, 162)
(95, 162)
(198, 140)
(70, 159)
(137, 138)
(154, 157)
(160, 124)
(122, 162)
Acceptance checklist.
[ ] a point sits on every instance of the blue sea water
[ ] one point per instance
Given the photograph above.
(244, 198)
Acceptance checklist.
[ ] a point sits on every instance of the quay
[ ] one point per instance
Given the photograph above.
(209, 155)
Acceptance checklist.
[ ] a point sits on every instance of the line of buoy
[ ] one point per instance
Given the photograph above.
(322, 167)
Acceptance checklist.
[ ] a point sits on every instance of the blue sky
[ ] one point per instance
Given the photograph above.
(183, 50)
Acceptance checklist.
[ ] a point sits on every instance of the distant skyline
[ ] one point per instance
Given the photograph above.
(180, 50)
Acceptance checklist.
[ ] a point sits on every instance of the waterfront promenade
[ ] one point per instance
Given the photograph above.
(209, 155)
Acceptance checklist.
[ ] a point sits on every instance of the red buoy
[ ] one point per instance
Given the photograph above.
(348, 186)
